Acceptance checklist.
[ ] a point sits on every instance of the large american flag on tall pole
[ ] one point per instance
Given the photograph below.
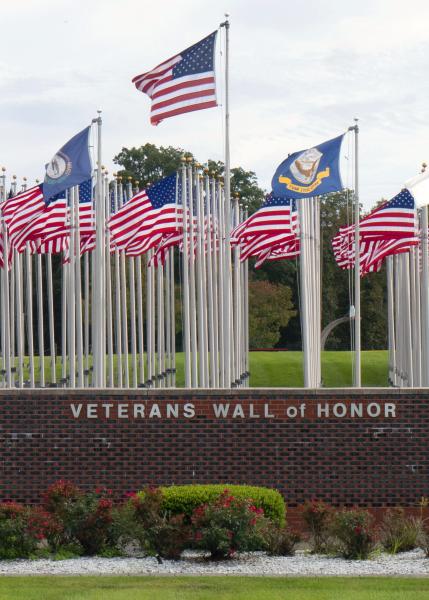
(183, 83)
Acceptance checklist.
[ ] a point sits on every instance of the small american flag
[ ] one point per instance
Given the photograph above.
(393, 219)
(183, 83)
(389, 229)
(142, 221)
(276, 216)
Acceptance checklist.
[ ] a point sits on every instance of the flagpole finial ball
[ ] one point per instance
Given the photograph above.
(236, 195)
(130, 178)
(136, 182)
(13, 176)
(183, 158)
(24, 178)
(3, 169)
(189, 159)
(37, 180)
(206, 171)
(119, 178)
(424, 165)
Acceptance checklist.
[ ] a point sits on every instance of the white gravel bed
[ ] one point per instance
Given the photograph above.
(412, 563)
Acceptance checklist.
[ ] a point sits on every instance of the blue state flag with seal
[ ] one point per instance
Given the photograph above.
(70, 166)
(310, 172)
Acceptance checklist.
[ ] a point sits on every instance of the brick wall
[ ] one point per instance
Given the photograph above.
(368, 448)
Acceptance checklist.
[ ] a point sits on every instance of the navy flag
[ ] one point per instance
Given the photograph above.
(70, 166)
(311, 172)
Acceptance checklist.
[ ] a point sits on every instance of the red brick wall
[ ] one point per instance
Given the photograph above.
(374, 460)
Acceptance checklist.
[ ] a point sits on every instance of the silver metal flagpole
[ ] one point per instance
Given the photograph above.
(99, 300)
(132, 284)
(141, 381)
(124, 313)
(192, 304)
(78, 291)
(29, 303)
(217, 279)
(86, 316)
(185, 282)
(109, 315)
(209, 287)
(41, 329)
(48, 265)
(19, 309)
(357, 364)
(71, 306)
(118, 295)
(5, 298)
(227, 224)
(425, 296)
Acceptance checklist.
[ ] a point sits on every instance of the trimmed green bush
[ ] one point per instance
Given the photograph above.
(184, 499)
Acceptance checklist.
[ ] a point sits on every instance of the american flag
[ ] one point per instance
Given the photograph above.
(276, 216)
(183, 83)
(147, 215)
(287, 250)
(387, 230)
(393, 219)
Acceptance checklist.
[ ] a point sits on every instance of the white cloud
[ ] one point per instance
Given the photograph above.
(299, 74)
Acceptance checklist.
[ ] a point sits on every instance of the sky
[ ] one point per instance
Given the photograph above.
(300, 73)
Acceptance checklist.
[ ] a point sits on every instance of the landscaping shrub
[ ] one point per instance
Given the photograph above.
(353, 530)
(399, 533)
(18, 539)
(278, 541)
(85, 518)
(184, 499)
(159, 532)
(227, 525)
(317, 516)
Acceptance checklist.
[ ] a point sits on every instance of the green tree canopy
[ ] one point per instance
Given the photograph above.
(149, 163)
(270, 308)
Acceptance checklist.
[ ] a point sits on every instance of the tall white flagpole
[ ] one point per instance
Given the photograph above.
(109, 315)
(98, 300)
(48, 265)
(227, 224)
(78, 294)
(5, 297)
(118, 312)
(185, 282)
(425, 296)
(29, 304)
(357, 312)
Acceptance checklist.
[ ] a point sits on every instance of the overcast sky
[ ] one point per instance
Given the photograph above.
(300, 73)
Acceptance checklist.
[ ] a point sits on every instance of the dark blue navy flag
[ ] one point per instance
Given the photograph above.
(311, 172)
(70, 166)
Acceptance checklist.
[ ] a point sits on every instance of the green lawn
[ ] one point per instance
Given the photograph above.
(212, 588)
(284, 369)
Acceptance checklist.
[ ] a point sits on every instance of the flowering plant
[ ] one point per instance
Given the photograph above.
(17, 537)
(160, 533)
(317, 516)
(227, 525)
(83, 517)
(354, 532)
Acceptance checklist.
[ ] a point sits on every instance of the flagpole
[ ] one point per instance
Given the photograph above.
(5, 297)
(227, 223)
(357, 312)
(48, 265)
(78, 293)
(425, 296)
(108, 289)
(98, 337)
(118, 312)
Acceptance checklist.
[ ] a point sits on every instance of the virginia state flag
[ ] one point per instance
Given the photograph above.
(311, 172)
(70, 166)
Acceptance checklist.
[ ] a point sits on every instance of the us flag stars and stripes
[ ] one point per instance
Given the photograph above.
(389, 229)
(183, 83)
(151, 214)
